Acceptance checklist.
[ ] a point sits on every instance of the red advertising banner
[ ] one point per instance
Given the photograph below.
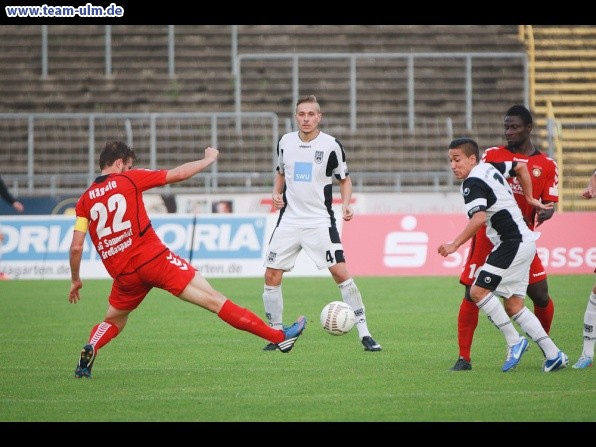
(406, 244)
(234, 245)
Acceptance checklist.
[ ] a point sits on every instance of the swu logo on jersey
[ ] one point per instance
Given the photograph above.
(303, 172)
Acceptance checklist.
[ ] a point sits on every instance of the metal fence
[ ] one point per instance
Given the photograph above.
(401, 150)
(57, 153)
(465, 60)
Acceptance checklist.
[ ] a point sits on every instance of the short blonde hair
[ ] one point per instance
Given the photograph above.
(309, 98)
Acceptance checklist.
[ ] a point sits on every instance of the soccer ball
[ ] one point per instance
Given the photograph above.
(338, 318)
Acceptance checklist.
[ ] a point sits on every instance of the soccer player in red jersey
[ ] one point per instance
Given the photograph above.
(518, 125)
(112, 211)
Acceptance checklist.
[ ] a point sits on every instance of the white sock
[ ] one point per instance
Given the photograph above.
(531, 326)
(589, 325)
(492, 307)
(274, 305)
(351, 295)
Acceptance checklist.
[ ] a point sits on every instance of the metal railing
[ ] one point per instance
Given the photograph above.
(411, 59)
(57, 153)
(60, 151)
(468, 59)
(211, 183)
(31, 146)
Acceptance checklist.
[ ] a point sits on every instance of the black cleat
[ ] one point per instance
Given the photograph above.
(85, 362)
(370, 344)
(461, 365)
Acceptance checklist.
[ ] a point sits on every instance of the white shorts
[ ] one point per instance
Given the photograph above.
(322, 245)
(506, 270)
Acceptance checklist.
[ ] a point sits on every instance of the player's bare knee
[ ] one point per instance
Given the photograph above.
(513, 305)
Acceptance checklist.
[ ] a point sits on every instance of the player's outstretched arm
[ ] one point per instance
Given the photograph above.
(187, 170)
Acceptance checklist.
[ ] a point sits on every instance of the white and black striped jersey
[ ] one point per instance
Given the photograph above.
(486, 189)
(309, 168)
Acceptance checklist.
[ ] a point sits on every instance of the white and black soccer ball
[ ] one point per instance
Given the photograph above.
(338, 318)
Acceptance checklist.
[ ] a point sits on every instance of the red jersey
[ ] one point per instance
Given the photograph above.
(543, 171)
(119, 226)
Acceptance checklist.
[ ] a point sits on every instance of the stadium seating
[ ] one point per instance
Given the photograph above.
(138, 77)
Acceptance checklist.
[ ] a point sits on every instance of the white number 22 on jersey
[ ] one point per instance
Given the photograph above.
(116, 205)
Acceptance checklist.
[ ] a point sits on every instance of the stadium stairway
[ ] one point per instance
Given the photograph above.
(563, 62)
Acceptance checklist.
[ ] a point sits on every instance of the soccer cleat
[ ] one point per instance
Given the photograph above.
(514, 354)
(270, 347)
(559, 362)
(370, 344)
(461, 365)
(585, 361)
(85, 362)
(291, 335)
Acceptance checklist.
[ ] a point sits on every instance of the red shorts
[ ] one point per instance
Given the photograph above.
(166, 271)
(480, 248)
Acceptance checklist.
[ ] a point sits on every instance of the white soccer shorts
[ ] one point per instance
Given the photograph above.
(506, 270)
(322, 245)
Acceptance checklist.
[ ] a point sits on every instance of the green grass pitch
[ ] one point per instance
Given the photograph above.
(177, 362)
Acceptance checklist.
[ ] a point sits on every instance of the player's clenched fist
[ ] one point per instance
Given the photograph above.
(447, 248)
(211, 153)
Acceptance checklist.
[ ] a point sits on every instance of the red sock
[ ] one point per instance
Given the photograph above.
(545, 314)
(467, 320)
(101, 334)
(243, 319)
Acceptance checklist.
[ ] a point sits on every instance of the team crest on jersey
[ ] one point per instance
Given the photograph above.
(271, 257)
(536, 171)
(318, 157)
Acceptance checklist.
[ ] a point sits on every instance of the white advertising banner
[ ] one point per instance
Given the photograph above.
(218, 245)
